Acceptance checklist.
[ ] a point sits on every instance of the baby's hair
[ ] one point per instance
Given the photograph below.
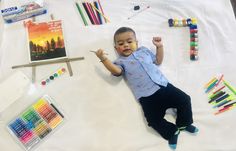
(123, 30)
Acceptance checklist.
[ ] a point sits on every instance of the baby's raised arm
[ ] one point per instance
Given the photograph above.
(114, 69)
(159, 49)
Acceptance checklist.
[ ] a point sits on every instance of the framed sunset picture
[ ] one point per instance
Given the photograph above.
(46, 41)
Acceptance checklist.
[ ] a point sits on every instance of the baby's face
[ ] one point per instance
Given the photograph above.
(125, 43)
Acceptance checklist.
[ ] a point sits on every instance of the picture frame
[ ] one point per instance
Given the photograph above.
(46, 41)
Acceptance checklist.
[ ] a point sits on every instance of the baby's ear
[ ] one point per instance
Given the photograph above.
(114, 45)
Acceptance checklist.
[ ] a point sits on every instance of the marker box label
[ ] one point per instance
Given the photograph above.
(35, 123)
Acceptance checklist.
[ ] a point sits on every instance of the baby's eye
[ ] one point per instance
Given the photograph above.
(120, 44)
(130, 41)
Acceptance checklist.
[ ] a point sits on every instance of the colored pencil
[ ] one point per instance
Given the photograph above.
(218, 89)
(225, 109)
(102, 12)
(221, 98)
(230, 87)
(81, 14)
(223, 103)
(211, 86)
(228, 105)
(92, 13)
(221, 77)
(207, 85)
(88, 13)
(221, 93)
(97, 11)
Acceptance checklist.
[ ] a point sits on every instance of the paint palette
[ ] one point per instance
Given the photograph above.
(36, 122)
(53, 76)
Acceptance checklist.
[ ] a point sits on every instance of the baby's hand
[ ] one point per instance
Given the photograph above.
(100, 54)
(157, 42)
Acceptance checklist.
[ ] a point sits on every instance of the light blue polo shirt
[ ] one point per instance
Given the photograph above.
(141, 73)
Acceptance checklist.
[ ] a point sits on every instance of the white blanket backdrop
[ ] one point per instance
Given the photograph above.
(101, 112)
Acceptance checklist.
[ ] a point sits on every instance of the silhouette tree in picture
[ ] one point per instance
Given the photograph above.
(53, 44)
(47, 46)
(59, 42)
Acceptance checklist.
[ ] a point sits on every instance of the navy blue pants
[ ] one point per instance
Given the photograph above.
(155, 106)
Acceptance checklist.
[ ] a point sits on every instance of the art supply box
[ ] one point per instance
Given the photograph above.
(35, 123)
(31, 117)
(16, 13)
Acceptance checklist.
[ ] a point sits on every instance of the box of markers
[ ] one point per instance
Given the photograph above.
(35, 123)
(17, 13)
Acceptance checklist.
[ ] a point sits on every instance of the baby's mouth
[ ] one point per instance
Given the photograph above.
(127, 50)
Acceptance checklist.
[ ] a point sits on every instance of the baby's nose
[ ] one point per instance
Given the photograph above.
(126, 44)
